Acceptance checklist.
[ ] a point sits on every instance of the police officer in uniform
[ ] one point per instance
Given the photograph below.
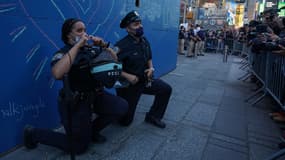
(191, 38)
(109, 108)
(135, 54)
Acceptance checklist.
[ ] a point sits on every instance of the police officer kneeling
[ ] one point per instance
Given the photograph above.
(135, 54)
(108, 108)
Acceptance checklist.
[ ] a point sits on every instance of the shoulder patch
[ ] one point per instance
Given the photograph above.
(57, 56)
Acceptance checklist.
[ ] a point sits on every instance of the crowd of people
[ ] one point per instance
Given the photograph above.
(266, 34)
(192, 40)
(195, 41)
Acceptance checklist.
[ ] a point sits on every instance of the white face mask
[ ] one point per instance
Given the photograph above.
(76, 39)
(198, 28)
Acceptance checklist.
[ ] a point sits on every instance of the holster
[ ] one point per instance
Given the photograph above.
(69, 99)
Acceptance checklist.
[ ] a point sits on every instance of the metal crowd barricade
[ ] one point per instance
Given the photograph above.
(237, 47)
(276, 77)
(275, 87)
(245, 50)
(258, 69)
(269, 69)
(259, 66)
(246, 62)
(245, 55)
(230, 43)
(220, 45)
(277, 155)
(211, 45)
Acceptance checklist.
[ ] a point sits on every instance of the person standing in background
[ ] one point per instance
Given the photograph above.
(181, 40)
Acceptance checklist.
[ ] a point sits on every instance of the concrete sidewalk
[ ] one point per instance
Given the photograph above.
(206, 118)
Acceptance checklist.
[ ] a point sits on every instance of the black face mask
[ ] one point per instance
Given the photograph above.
(139, 32)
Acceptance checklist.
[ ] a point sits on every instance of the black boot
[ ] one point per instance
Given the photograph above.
(154, 121)
(29, 141)
(98, 138)
(125, 121)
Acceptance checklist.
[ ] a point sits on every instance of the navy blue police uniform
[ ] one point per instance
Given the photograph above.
(92, 98)
(201, 34)
(134, 55)
(191, 35)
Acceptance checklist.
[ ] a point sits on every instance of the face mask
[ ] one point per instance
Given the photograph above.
(139, 32)
(76, 39)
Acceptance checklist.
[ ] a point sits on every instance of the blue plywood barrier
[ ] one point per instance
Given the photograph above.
(30, 34)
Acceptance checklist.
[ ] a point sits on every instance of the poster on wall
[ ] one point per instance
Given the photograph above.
(282, 12)
(235, 13)
(261, 7)
(202, 3)
(239, 19)
(201, 13)
(231, 11)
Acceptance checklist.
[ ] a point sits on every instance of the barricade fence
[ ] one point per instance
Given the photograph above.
(269, 69)
(237, 47)
(230, 43)
(218, 45)
(276, 77)
(211, 44)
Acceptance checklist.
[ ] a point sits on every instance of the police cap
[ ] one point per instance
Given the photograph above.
(132, 16)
